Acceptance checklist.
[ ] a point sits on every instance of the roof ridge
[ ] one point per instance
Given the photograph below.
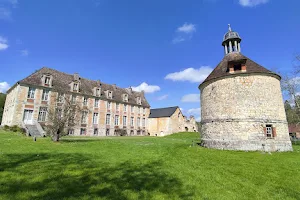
(165, 107)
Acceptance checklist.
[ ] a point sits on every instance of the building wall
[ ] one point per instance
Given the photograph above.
(17, 102)
(235, 110)
(168, 125)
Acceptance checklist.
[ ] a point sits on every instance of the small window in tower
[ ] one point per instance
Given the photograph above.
(269, 131)
(237, 67)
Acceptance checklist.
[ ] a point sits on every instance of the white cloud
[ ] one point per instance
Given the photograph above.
(194, 111)
(4, 86)
(146, 88)
(187, 28)
(198, 119)
(191, 98)
(252, 3)
(163, 97)
(190, 74)
(184, 32)
(178, 39)
(3, 43)
(24, 52)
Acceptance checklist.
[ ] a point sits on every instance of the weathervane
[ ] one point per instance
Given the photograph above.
(229, 28)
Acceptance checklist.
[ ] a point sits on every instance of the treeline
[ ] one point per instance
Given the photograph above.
(292, 113)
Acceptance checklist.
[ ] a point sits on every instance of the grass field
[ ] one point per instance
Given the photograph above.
(141, 168)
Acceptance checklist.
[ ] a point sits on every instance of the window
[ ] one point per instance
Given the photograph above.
(108, 105)
(132, 109)
(95, 131)
(117, 106)
(138, 100)
(71, 132)
(116, 120)
(73, 101)
(141, 110)
(84, 117)
(125, 108)
(82, 131)
(144, 122)
(269, 131)
(45, 96)
(125, 97)
(107, 120)
(109, 94)
(47, 80)
(124, 120)
(75, 87)
(59, 113)
(96, 103)
(132, 121)
(60, 98)
(42, 114)
(138, 122)
(95, 118)
(107, 132)
(98, 92)
(144, 111)
(85, 101)
(31, 92)
(237, 67)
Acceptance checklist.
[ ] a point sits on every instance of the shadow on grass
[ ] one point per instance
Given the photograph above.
(74, 176)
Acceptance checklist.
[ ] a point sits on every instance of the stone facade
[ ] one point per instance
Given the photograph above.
(166, 125)
(137, 109)
(237, 109)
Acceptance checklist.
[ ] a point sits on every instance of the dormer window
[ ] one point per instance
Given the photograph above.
(47, 80)
(237, 67)
(109, 94)
(125, 97)
(75, 86)
(98, 92)
(139, 100)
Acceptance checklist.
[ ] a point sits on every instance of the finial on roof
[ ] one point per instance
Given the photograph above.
(229, 27)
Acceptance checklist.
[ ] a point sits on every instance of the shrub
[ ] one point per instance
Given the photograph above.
(6, 127)
(15, 128)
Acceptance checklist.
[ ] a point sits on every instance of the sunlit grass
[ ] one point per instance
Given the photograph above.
(141, 168)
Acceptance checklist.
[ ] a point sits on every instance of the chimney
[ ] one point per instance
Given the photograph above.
(76, 77)
(98, 82)
(114, 86)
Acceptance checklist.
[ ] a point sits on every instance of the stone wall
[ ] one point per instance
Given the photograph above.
(236, 110)
(168, 125)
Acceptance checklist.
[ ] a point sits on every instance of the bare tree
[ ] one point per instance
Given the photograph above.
(64, 116)
(291, 84)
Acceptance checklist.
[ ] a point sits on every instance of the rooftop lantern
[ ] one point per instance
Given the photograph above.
(231, 41)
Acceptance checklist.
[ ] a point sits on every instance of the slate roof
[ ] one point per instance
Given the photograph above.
(162, 112)
(221, 69)
(63, 80)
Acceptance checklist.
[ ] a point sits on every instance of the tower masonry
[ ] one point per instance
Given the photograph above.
(241, 104)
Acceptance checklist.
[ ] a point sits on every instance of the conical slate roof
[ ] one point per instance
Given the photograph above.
(222, 68)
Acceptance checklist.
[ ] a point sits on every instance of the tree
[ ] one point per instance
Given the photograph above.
(2, 103)
(64, 116)
(291, 84)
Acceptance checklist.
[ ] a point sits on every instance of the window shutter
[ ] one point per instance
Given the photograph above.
(265, 130)
(274, 131)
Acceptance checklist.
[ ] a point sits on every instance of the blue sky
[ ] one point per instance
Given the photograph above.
(164, 47)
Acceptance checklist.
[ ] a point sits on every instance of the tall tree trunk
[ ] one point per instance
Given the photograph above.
(55, 137)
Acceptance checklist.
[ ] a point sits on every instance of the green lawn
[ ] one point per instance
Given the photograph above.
(141, 168)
